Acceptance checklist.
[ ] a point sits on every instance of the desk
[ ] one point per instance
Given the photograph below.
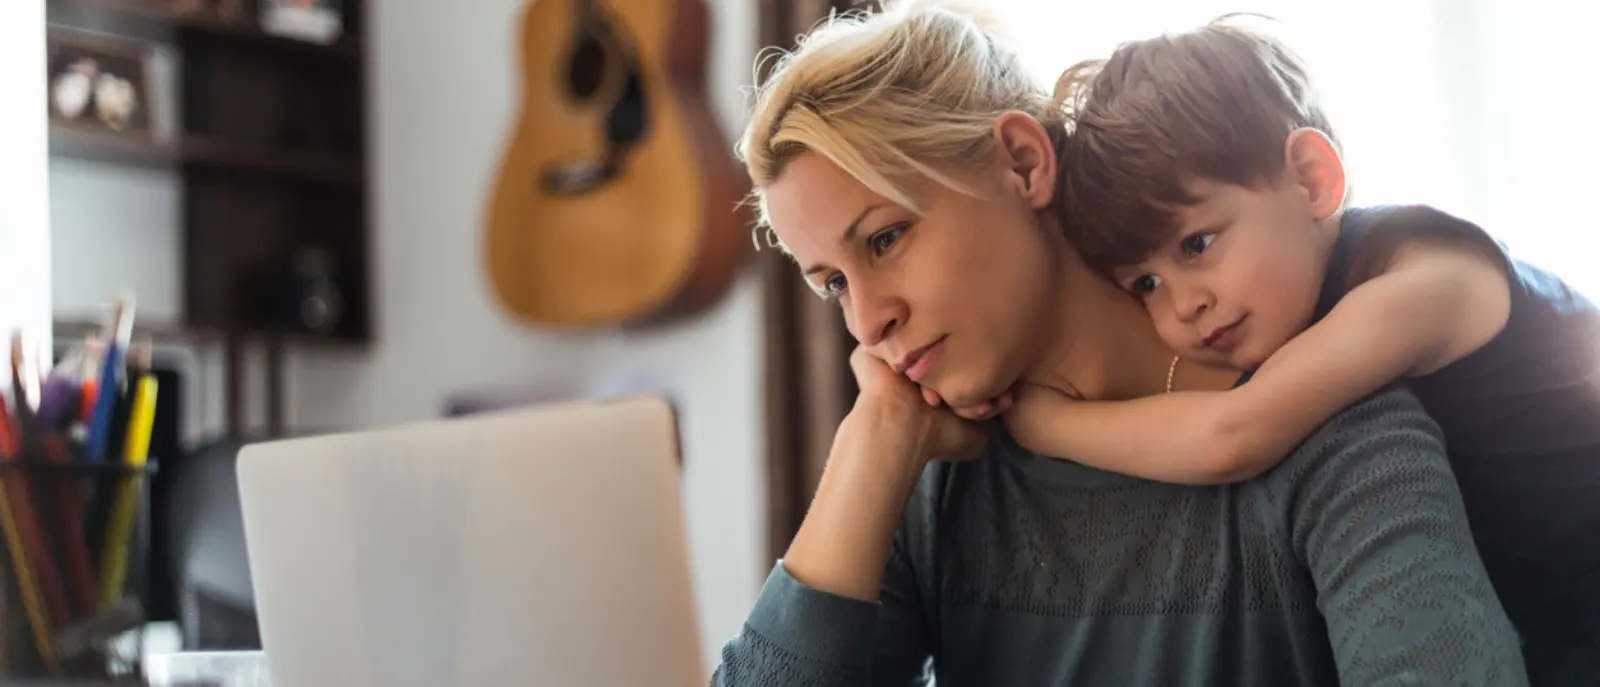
(183, 669)
(210, 668)
(91, 683)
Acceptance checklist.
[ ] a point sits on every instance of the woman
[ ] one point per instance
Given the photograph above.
(909, 166)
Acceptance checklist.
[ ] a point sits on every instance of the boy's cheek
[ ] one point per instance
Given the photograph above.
(1159, 308)
(1176, 335)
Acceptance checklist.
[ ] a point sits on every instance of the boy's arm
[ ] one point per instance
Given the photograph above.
(1377, 517)
(1435, 303)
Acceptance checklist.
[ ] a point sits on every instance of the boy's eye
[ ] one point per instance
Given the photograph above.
(882, 241)
(1144, 284)
(1196, 244)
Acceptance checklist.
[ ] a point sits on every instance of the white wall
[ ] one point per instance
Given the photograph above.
(443, 97)
(100, 215)
(24, 212)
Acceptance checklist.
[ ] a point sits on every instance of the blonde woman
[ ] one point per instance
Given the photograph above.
(909, 166)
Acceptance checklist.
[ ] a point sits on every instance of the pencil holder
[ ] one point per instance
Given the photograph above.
(75, 582)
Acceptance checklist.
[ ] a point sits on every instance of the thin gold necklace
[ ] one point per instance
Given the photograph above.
(1172, 370)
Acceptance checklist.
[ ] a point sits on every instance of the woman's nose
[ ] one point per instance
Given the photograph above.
(871, 317)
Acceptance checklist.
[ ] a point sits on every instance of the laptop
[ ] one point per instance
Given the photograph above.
(543, 546)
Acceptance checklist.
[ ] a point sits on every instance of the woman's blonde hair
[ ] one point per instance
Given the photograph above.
(891, 96)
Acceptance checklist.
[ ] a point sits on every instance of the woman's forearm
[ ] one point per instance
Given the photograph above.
(843, 543)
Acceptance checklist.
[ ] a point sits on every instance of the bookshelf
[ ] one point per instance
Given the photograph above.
(268, 142)
(204, 152)
(207, 21)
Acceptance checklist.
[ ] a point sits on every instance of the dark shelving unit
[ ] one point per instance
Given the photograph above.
(271, 152)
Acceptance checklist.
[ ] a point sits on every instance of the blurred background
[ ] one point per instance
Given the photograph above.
(302, 206)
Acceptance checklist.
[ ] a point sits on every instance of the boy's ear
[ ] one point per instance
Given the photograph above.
(1315, 166)
(1023, 147)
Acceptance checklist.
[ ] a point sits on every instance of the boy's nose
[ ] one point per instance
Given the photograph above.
(1192, 303)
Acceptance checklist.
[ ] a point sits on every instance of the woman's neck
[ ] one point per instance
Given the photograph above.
(1102, 345)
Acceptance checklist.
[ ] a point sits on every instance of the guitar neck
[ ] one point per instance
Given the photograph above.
(586, 11)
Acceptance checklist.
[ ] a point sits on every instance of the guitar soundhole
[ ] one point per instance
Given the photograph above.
(602, 73)
(586, 70)
(626, 124)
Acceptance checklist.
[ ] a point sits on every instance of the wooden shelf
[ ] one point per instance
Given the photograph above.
(67, 330)
(206, 21)
(320, 168)
(204, 151)
(91, 143)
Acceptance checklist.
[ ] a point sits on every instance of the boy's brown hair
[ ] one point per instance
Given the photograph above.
(1218, 102)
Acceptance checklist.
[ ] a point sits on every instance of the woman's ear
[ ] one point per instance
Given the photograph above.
(1027, 157)
(1313, 162)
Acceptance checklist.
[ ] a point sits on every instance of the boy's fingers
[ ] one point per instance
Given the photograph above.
(930, 396)
(977, 412)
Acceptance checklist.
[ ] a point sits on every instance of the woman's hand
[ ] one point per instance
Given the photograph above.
(878, 455)
(897, 410)
(977, 413)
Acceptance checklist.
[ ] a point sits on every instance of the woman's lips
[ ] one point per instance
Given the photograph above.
(917, 365)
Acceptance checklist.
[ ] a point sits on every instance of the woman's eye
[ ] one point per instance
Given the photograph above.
(882, 241)
(1144, 284)
(1198, 243)
(833, 287)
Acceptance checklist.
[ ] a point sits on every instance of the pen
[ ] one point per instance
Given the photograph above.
(136, 452)
(9, 441)
(93, 353)
(25, 392)
(28, 586)
(106, 400)
(58, 398)
(81, 585)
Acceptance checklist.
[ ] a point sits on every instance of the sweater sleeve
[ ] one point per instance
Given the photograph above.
(1378, 520)
(797, 636)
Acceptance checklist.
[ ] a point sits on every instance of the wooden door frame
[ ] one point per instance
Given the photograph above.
(807, 373)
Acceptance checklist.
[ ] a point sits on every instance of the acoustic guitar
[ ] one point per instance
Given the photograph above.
(617, 200)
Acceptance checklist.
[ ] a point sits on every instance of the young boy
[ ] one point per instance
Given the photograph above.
(1202, 175)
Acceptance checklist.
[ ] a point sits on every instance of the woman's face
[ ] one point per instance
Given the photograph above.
(956, 299)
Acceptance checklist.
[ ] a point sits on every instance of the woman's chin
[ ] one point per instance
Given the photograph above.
(964, 393)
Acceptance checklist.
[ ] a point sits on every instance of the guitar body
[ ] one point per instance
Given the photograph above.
(617, 200)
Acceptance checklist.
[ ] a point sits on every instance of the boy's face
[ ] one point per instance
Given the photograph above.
(1241, 276)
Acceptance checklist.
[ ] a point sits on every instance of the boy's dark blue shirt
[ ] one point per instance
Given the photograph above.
(1521, 419)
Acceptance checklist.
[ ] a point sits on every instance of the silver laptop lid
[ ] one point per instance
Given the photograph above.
(530, 547)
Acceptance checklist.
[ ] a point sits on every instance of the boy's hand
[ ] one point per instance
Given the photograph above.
(977, 413)
(1035, 416)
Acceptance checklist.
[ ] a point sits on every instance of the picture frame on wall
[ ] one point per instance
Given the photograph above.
(99, 83)
(317, 21)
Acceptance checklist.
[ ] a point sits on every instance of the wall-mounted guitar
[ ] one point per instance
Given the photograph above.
(617, 199)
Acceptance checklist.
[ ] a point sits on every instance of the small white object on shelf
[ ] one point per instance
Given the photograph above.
(318, 21)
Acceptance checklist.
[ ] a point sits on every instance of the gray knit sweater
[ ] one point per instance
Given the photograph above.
(1350, 563)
